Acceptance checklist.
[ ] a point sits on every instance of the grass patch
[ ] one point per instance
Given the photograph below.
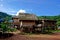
(24, 33)
(55, 31)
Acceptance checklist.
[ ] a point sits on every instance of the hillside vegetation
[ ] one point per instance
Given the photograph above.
(57, 18)
(5, 16)
(9, 17)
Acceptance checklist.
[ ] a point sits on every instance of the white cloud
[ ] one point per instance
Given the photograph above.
(11, 12)
(21, 11)
(8, 11)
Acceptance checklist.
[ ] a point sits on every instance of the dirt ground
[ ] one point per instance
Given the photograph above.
(55, 36)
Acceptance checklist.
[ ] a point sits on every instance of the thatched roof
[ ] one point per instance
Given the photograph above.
(26, 16)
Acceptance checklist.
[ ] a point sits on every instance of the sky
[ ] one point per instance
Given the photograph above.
(37, 7)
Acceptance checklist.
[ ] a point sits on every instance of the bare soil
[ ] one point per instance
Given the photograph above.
(55, 36)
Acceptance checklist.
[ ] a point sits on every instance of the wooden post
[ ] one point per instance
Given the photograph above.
(21, 24)
(42, 29)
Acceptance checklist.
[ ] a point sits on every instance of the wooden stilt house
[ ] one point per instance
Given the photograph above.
(29, 23)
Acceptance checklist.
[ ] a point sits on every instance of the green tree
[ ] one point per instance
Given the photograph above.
(3, 26)
(58, 23)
